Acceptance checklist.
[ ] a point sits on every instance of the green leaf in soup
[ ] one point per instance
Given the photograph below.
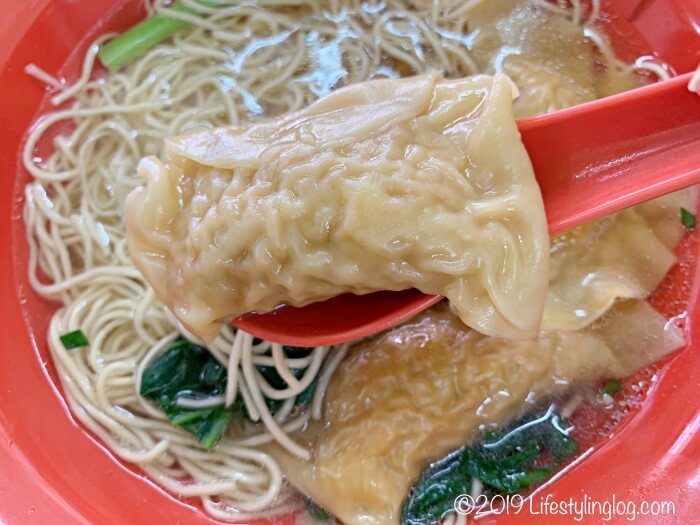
(186, 369)
(558, 442)
(504, 480)
(213, 374)
(506, 461)
(209, 428)
(271, 375)
(207, 424)
(297, 352)
(178, 371)
(435, 492)
(306, 395)
(509, 450)
(544, 431)
(533, 477)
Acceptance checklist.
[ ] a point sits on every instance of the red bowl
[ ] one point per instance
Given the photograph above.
(52, 471)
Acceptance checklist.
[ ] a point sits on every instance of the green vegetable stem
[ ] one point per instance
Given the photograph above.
(135, 42)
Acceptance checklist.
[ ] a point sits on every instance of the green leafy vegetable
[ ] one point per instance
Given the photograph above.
(273, 378)
(189, 370)
(612, 387)
(306, 395)
(436, 491)
(507, 461)
(74, 339)
(135, 42)
(688, 219)
(316, 512)
(185, 369)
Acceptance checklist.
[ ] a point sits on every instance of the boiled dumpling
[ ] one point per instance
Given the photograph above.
(595, 264)
(546, 56)
(423, 389)
(663, 214)
(386, 185)
(622, 256)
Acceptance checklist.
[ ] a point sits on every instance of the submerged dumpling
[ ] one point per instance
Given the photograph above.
(420, 390)
(663, 214)
(546, 55)
(550, 58)
(622, 256)
(386, 185)
(595, 264)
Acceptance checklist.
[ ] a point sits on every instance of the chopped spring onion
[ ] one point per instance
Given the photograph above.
(688, 219)
(74, 339)
(612, 387)
(133, 43)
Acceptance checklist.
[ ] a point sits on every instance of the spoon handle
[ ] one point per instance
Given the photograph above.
(603, 156)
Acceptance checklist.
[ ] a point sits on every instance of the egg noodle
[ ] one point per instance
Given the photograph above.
(240, 61)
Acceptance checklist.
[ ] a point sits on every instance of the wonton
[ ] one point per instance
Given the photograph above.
(385, 185)
(419, 391)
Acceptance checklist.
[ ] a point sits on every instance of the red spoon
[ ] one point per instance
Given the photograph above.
(590, 160)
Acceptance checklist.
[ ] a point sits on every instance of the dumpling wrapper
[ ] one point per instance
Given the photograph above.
(622, 256)
(663, 214)
(550, 59)
(595, 264)
(544, 54)
(398, 402)
(385, 185)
